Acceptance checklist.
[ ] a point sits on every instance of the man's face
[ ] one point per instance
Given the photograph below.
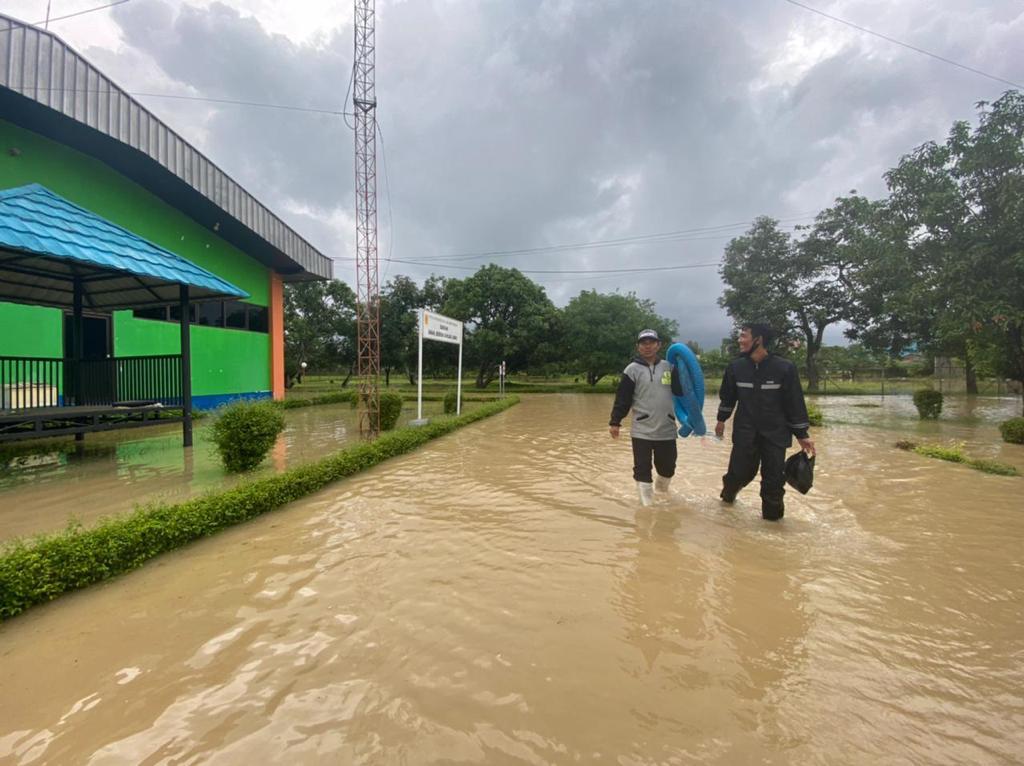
(746, 341)
(649, 348)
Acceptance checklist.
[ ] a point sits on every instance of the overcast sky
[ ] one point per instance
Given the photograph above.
(516, 124)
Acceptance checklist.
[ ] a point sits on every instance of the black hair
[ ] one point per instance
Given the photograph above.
(760, 330)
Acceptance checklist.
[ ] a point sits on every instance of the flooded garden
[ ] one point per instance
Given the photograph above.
(499, 597)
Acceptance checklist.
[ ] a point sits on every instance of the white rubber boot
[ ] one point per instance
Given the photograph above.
(646, 489)
(661, 483)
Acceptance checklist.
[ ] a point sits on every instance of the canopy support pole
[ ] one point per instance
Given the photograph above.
(186, 368)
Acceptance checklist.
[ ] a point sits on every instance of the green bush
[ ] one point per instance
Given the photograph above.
(954, 453)
(244, 432)
(814, 415)
(928, 402)
(1012, 430)
(390, 409)
(450, 402)
(337, 397)
(41, 570)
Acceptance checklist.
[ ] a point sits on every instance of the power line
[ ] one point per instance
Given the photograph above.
(47, 21)
(387, 189)
(233, 102)
(636, 270)
(182, 97)
(644, 239)
(680, 235)
(87, 10)
(906, 45)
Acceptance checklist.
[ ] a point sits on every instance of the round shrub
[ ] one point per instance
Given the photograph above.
(928, 402)
(245, 431)
(450, 402)
(390, 409)
(1012, 430)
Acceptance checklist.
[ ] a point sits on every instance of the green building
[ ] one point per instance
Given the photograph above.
(68, 129)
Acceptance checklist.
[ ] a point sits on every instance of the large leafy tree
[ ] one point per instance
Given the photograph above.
(319, 325)
(508, 317)
(798, 287)
(963, 205)
(400, 299)
(600, 330)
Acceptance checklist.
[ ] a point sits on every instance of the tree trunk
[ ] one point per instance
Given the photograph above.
(351, 370)
(970, 374)
(387, 377)
(812, 371)
(484, 376)
(594, 377)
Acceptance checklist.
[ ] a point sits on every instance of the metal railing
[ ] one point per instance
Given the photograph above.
(28, 383)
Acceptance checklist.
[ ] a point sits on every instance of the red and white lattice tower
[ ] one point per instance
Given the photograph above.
(364, 100)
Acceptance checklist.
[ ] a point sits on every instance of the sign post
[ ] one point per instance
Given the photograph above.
(436, 327)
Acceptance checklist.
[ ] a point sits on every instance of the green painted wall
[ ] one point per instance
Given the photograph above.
(30, 331)
(224, 361)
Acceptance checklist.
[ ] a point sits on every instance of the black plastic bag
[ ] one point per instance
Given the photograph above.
(800, 472)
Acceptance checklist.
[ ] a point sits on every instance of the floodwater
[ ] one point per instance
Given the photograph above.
(118, 470)
(498, 597)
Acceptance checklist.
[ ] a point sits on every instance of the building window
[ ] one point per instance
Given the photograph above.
(259, 320)
(211, 314)
(174, 313)
(235, 315)
(159, 313)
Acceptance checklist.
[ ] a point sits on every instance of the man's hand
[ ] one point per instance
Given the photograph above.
(614, 431)
(807, 445)
(720, 429)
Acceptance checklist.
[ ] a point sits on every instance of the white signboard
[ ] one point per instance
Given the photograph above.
(437, 327)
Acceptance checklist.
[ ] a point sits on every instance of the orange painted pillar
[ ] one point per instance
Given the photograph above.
(276, 311)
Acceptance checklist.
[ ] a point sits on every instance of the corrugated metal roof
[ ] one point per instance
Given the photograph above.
(47, 242)
(39, 66)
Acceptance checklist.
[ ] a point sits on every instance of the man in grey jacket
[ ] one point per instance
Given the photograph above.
(646, 387)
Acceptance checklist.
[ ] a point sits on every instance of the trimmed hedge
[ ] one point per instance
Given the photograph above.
(40, 570)
(338, 397)
(928, 402)
(390, 409)
(450, 404)
(1012, 430)
(954, 453)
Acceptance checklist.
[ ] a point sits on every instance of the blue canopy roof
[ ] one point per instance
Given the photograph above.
(47, 242)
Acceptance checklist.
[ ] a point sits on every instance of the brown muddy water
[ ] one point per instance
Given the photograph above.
(44, 491)
(498, 597)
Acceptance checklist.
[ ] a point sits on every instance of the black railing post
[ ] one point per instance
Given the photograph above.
(186, 369)
(76, 344)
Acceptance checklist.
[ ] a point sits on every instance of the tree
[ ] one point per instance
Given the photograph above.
(798, 288)
(963, 202)
(398, 332)
(508, 315)
(319, 325)
(600, 330)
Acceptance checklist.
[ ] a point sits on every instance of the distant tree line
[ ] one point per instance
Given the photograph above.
(508, 317)
(936, 266)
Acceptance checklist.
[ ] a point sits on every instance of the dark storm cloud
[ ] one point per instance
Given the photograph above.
(514, 125)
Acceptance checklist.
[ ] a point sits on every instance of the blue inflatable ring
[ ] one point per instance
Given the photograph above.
(689, 407)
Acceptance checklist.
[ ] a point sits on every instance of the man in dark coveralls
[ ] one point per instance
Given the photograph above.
(771, 412)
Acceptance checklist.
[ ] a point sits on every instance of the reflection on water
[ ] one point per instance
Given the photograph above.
(115, 471)
(498, 597)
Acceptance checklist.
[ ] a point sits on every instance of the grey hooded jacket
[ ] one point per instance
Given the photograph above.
(648, 391)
